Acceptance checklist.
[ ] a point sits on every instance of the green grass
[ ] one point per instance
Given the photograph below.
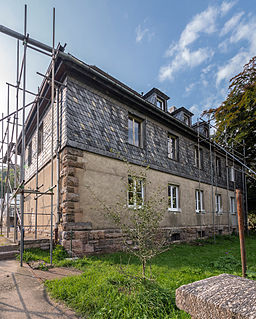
(103, 291)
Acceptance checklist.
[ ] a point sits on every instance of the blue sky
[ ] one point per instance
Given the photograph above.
(189, 49)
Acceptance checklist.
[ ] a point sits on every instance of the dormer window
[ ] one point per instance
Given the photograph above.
(186, 119)
(160, 103)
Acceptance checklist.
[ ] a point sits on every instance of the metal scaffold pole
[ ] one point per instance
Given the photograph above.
(52, 133)
(22, 160)
(2, 176)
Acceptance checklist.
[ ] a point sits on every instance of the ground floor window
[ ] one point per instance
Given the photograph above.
(173, 197)
(232, 205)
(218, 203)
(135, 191)
(199, 200)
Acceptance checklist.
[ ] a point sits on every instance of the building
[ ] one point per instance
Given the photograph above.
(97, 121)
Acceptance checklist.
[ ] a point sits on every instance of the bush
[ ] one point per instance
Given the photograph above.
(226, 263)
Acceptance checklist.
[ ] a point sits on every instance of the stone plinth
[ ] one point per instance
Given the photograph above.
(221, 297)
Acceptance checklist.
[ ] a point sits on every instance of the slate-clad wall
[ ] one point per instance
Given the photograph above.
(98, 123)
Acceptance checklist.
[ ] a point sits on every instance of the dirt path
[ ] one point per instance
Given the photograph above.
(22, 295)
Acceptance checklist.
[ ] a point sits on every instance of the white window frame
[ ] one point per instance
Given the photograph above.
(172, 147)
(170, 198)
(218, 204)
(199, 194)
(135, 180)
(186, 119)
(161, 102)
(135, 120)
(232, 205)
(198, 156)
(232, 174)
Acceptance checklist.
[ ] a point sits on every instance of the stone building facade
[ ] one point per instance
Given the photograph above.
(102, 122)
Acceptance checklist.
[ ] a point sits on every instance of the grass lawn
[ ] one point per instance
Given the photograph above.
(104, 291)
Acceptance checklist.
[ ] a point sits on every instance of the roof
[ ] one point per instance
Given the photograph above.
(158, 92)
(183, 109)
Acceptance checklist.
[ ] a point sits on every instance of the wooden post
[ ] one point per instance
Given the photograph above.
(241, 230)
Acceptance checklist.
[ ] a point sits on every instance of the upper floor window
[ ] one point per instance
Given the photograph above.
(172, 147)
(198, 156)
(206, 131)
(135, 191)
(160, 103)
(199, 200)
(232, 205)
(134, 131)
(186, 119)
(232, 174)
(218, 203)
(29, 153)
(218, 166)
(173, 197)
(40, 138)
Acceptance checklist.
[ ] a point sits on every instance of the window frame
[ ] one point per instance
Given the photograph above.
(199, 200)
(186, 119)
(40, 140)
(218, 204)
(233, 208)
(218, 166)
(30, 153)
(139, 122)
(134, 191)
(176, 147)
(161, 101)
(198, 157)
(232, 173)
(170, 197)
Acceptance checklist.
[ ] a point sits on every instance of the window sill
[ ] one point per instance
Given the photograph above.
(140, 147)
(200, 211)
(219, 213)
(171, 210)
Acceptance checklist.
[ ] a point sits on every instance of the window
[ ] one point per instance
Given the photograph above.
(135, 191)
(199, 201)
(198, 157)
(134, 131)
(232, 205)
(40, 138)
(172, 147)
(218, 166)
(218, 203)
(186, 119)
(29, 153)
(160, 103)
(206, 132)
(232, 174)
(173, 197)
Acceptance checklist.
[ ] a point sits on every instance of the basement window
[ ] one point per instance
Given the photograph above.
(40, 138)
(29, 153)
(134, 131)
(135, 193)
(175, 236)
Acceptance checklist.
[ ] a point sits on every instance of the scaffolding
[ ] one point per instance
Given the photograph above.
(14, 144)
(13, 150)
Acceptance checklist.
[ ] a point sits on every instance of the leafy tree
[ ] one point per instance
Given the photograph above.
(236, 118)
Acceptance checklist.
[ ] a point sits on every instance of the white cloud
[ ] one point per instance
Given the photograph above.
(184, 58)
(242, 32)
(231, 23)
(140, 33)
(203, 22)
(182, 55)
(194, 109)
(226, 6)
(190, 87)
